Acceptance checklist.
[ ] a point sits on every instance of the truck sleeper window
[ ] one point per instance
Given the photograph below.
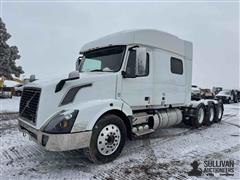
(104, 60)
(176, 66)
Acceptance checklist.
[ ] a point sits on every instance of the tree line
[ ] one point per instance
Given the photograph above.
(8, 56)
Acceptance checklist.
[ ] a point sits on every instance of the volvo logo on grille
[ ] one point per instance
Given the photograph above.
(28, 103)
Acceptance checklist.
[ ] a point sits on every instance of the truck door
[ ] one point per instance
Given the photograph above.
(136, 89)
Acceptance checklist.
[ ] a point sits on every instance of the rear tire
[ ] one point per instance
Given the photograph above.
(209, 114)
(198, 116)
(108, 139)
(218, 112)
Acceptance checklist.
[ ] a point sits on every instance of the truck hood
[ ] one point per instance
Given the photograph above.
(83, 77)
(103, 86)
(222, 95)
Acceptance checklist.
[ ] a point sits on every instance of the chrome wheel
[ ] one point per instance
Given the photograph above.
(200, 115)
(211, 114)
(108, 139)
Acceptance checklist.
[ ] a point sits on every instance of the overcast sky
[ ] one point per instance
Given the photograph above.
(49, 35)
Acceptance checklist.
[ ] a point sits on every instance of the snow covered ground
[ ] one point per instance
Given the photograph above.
(9, 105)
(165, 154)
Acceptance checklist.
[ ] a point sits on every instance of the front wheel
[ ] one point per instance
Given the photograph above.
(108, 139)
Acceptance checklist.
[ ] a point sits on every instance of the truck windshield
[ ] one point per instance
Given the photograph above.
(103, 60)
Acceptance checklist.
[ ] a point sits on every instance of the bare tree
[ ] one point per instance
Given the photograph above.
(8, 55)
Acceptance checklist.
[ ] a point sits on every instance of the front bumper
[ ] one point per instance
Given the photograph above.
(57, 142)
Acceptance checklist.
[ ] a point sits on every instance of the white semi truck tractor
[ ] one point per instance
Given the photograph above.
(126, 84)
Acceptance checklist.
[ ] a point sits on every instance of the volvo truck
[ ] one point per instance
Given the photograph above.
(126, 85)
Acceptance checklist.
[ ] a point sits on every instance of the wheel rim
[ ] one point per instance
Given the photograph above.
(108, 139)
(211, 114)
(200, 115)
(219, 112)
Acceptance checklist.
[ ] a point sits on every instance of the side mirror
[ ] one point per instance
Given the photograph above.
(78, 63)
(32, 78)
(125, 74)
(73, 74)
(141, 61)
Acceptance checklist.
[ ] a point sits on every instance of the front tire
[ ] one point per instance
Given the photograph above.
(108, 139)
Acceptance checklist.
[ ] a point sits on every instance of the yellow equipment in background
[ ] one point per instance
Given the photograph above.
(18, 80)
(2, 79)
(7, 87)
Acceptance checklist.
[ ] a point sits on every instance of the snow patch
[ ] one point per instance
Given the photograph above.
(9, 105)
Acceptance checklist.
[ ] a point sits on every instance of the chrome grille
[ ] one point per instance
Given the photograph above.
(29, 104)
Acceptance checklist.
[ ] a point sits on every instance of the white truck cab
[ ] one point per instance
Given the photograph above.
(226, 96)
(126, 84)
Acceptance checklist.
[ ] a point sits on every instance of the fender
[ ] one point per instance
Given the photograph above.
(90, 112)
(194, 104)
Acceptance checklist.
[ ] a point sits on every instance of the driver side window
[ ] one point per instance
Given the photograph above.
(131, 65)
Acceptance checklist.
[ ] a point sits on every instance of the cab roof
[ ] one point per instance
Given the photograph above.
(147, 37)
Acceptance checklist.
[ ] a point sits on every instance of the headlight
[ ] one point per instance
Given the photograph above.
(61, 123)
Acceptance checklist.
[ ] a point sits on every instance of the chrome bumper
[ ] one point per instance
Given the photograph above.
(57, 142)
